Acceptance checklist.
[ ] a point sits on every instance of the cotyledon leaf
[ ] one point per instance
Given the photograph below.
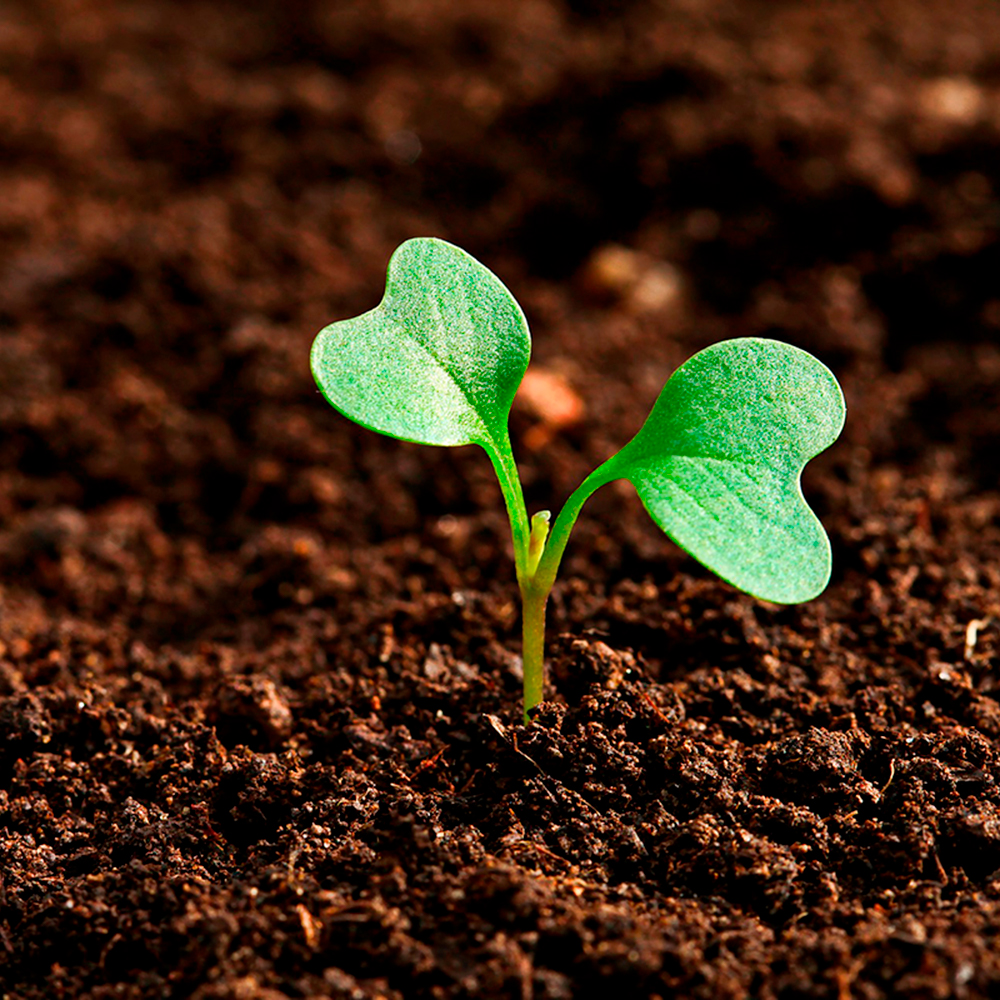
(718, 461)
(438, 360)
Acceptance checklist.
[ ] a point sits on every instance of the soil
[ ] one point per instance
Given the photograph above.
(259, 674)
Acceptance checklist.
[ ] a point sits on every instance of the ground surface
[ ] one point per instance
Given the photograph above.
(258, 667)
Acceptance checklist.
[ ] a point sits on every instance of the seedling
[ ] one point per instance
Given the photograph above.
(717, 463)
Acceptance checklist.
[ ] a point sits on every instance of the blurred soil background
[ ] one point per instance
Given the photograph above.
(259, 676)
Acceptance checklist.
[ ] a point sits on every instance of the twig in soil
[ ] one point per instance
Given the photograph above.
(663, 717)
(892, 774)
(535, 846)
(426, 765)
(510, 740)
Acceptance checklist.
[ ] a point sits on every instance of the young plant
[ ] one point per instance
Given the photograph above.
(717, 463)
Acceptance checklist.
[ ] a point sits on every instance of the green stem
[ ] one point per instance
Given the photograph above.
(536, 585)
(533, 603)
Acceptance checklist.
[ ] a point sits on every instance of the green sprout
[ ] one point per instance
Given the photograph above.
(717, 463)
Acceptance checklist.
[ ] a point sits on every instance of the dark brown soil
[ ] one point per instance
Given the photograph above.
(259, 689)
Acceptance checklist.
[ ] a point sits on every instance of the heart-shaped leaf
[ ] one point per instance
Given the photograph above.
(717, 464)
(438, 360)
